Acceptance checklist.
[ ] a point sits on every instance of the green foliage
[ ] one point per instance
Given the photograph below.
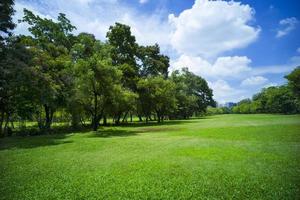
(6, 22)
(15, 97)
(123, 53)
(294, 82)
(192, 93)
(219, 110)
(49, 45)
(270, 100)
(96, 81)
(152, 62)
(92, 80)
(157, 95)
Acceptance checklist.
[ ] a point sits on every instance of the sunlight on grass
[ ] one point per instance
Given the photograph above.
(226, 156)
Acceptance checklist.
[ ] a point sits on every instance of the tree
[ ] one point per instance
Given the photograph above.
(153, 63)
(270, 100)
(96, 79)
(157, 95)
(123, 101)
(280, 100)
(14, 82)
(50, 44)
(243, 106)
(123, 52)
(6, 22)
(294, 81)
(193, 93)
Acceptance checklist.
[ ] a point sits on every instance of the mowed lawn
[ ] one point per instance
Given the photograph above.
(216, 157)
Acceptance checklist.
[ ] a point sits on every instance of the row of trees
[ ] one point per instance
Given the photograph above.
(53, 70)
(282, 99)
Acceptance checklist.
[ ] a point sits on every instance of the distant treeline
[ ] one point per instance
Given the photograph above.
(54, 71)
(283, 99)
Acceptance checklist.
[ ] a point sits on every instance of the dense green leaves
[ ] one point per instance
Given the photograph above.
(192, 93)
(270, 100)
(157, 95)
(6, 22)
(294, 81)
(90, 80)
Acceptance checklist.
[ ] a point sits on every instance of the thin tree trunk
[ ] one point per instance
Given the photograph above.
(95, 120)
(104, 120)
(49, 116)
(140, 118)
(131, 117)
(6, 124)
(1, 122)
(117, 121)
(150, 118)
(158, 117)
(125, 117)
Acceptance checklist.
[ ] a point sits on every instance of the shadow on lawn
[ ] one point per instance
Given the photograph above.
(108, 133)
(59, 135)
(154, 123)
(32, 142)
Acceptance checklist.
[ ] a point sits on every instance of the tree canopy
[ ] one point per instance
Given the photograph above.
(52, 71)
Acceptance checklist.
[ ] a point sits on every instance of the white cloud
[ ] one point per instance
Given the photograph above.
(270, 85)
(233, 70)
(223, 92)
(277, 69)
(96, 16)
(254, 81)
(223, 67)
(143, 1)
(212, 27)
(286, 26)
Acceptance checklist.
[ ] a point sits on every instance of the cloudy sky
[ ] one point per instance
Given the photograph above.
(239, 47)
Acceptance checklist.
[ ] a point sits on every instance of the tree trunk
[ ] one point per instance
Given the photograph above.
(49, 116)
(95, 122)
(150, 118)
(158, 117)
(104, 120)
(95, 117)
(6, 125)
(1, 123)
(125, 117)
(140, 118)
(118, 119)
(75, 119)
(131, 117)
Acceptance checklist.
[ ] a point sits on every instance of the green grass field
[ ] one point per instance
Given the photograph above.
(216, 157)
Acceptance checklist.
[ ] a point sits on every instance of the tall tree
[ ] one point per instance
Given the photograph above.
(14, 81)
(50, 44)
(96, 79)
(124, 51)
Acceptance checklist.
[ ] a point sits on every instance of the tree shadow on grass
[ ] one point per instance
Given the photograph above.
(32, 142)
(58, 135)
(164, 123)
(108, 133)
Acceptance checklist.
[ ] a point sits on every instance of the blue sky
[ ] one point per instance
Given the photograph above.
(239, 47)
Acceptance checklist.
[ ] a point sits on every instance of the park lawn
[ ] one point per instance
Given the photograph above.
(216, 157)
